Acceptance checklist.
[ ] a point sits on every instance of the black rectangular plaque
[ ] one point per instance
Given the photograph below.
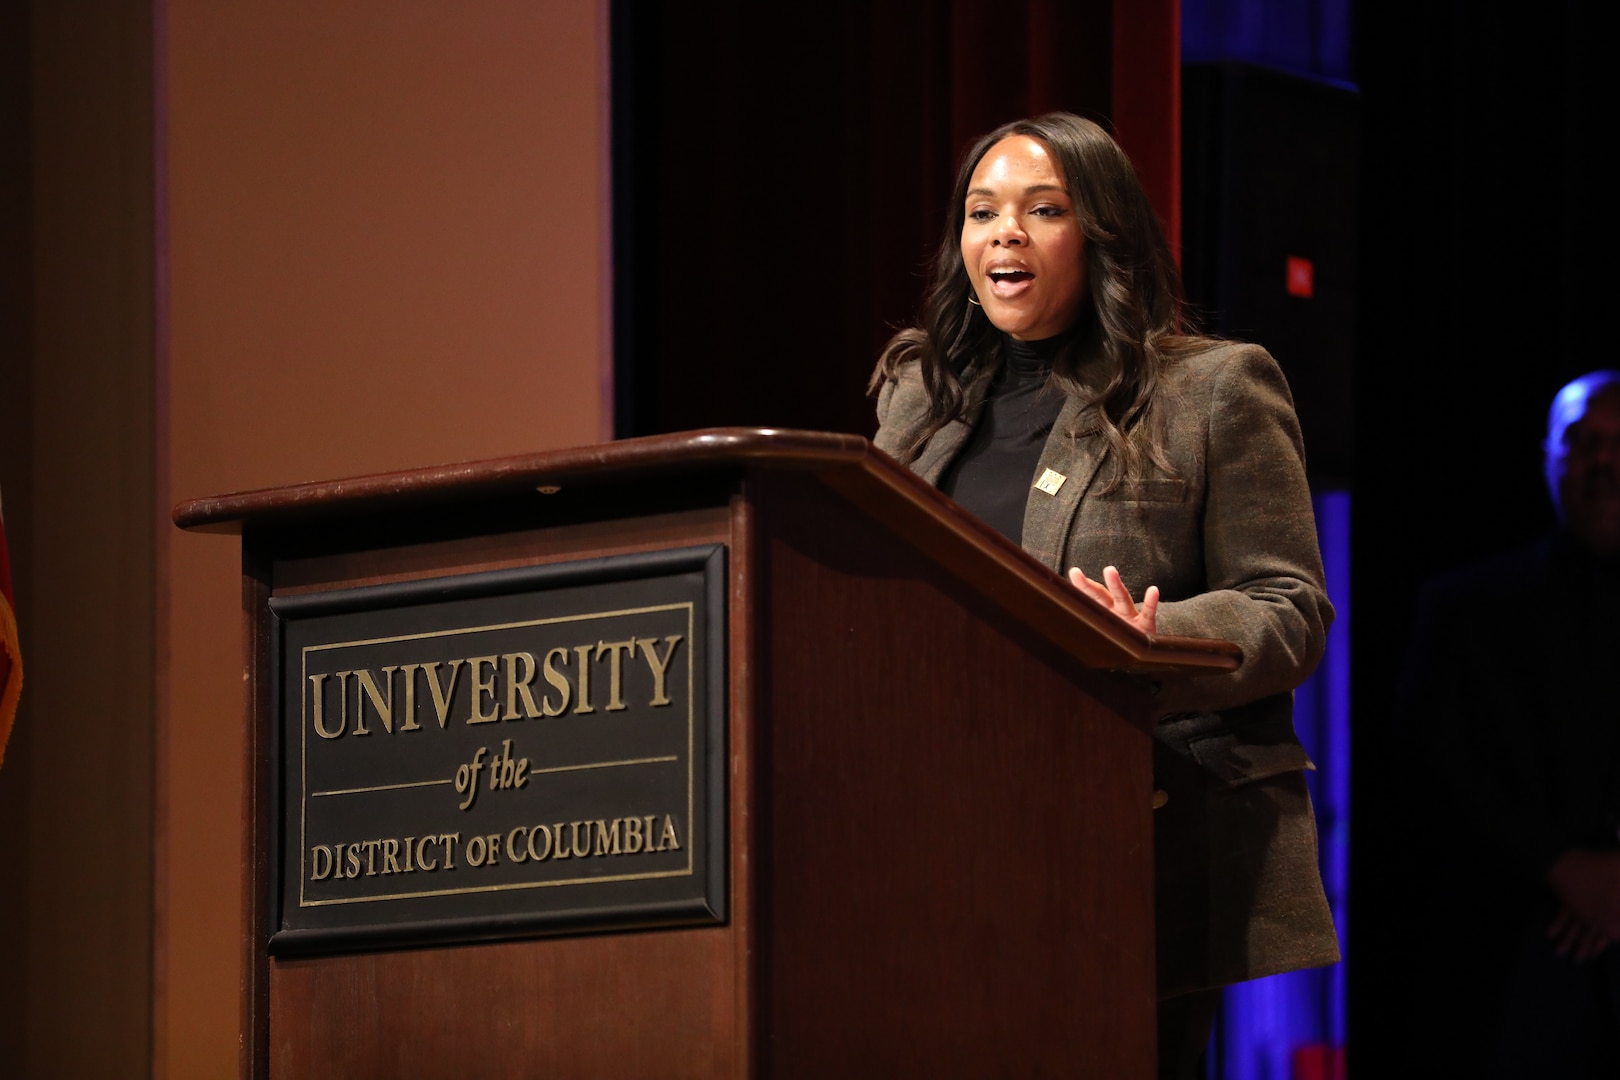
(501, 754)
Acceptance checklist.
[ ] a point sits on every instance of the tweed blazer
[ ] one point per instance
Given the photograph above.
(1230, 539)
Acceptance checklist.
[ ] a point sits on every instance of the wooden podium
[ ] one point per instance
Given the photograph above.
(931, 789)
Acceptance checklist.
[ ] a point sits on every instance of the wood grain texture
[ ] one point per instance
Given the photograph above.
(258, 810)
(666, 1003)
(747, 736)
(960, 836)
(655, 1004)
(940, 849)
(501, 551)
(472, 481)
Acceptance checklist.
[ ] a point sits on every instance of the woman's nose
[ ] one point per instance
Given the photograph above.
(1008, 231)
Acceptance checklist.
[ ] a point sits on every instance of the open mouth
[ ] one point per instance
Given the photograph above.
(1009, 282)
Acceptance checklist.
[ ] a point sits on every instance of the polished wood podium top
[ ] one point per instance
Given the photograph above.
(849, 464)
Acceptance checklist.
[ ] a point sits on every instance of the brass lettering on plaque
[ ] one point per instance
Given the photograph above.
(500, 754)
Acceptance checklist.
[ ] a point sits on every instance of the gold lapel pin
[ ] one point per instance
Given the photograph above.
(1050, 481)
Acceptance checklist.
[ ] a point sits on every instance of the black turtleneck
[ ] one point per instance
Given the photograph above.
(992, 475)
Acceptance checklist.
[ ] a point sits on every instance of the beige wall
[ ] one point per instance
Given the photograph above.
(385, 234)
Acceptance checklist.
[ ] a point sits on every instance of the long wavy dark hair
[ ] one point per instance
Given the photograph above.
(1134, 324)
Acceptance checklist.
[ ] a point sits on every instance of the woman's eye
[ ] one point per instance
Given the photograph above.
(981, 215)
(1049, 211)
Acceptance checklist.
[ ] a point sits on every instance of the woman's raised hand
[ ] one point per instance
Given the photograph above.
(1112, 594)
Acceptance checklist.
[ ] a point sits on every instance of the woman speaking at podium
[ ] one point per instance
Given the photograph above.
(1053, 391)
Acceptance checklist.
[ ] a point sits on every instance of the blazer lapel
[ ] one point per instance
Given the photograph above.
(949, 440)
(1069, 465)
(941, 451)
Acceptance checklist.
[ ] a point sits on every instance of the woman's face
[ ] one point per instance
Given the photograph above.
(1021, 244)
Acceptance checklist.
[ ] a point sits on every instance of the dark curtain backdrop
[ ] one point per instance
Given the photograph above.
(782, 174)
(1486, 281)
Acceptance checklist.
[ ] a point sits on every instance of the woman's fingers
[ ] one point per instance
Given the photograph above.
(1093, 589)
(1592, 944)
(1576, 939)
(1112, 594)
(1124, 606)
(1150, 608)
(1563, 932)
